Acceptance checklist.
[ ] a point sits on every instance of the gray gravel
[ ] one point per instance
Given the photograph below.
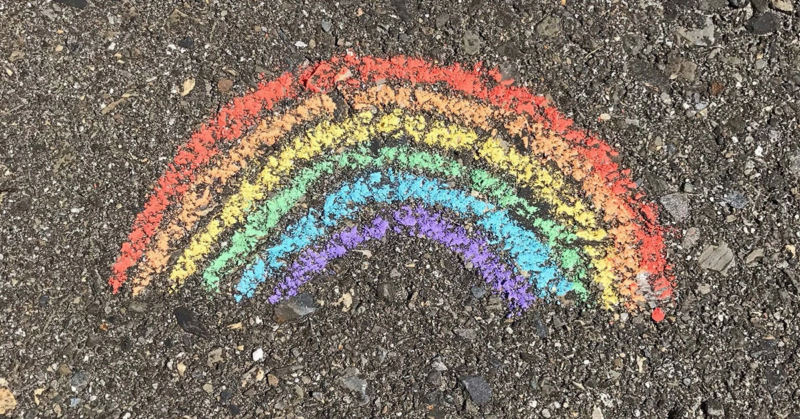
(698, 92)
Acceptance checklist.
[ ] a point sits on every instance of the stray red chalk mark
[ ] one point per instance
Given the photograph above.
(658, 315)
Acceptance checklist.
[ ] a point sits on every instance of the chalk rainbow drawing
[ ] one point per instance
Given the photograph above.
(425, 150)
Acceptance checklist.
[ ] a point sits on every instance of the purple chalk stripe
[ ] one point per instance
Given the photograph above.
(414, 221)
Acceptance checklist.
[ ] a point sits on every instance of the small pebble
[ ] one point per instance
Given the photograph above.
(677, 205)
(326, 26)
(224, 85)
(704, 289)
(63, 370)
(691, 238)
(189, 322)
(762, 24)
(478, 291)
(214, 357)
(471, 43)
(468, 334)
(479, 390)
(717, 258)
(186, 43)
(713, 408)
(295, 308)
(7, 401)
(549, 27)
(79, 380)
(78, 4)
(439, 366)
(785, 6)
(735, 199)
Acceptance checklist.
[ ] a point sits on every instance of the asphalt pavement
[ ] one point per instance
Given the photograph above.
(700, 98)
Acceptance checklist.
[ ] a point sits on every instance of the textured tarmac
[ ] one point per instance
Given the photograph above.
(699, 97)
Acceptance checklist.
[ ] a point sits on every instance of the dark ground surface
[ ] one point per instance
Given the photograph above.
(715, 116)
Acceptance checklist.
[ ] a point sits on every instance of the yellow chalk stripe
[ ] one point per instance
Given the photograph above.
(356, 130)
(604, 274)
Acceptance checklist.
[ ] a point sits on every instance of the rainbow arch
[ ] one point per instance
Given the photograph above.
(517, 167)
